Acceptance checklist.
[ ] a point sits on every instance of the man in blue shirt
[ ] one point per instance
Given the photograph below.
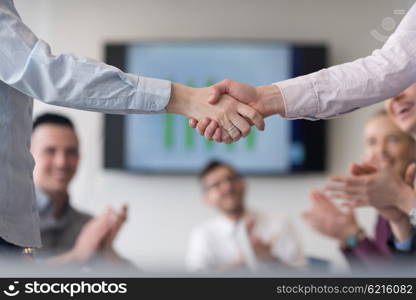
(29, 70)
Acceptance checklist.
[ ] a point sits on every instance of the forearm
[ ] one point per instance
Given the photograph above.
(70, 80)
(271, 98)
(179, 102)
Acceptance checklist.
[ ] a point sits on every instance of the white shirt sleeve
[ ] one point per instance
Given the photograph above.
(199, 256)
(28, 65)
(344, 88)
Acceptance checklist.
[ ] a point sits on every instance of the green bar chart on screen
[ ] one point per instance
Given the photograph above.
(190, 137)
(166, 143)
(168, 131)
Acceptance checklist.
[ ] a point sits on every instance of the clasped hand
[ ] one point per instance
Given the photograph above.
(226, 111)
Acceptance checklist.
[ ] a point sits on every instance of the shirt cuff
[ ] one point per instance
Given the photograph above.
(404, 246)
(153, 95)
(299, 98)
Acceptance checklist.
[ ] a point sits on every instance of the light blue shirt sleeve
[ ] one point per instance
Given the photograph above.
(403, 246)
(28, 65)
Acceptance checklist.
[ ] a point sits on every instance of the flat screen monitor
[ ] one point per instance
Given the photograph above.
(163, 143)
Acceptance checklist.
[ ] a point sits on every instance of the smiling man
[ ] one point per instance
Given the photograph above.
(55, 148)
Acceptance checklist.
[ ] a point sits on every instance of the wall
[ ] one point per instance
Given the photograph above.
(164, 209)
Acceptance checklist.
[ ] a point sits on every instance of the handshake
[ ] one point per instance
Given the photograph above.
(226, 111)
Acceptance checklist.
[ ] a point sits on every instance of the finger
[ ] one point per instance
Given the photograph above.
(226, 138)
(352, 190)
(115, 228)
(234, 133)
(348, 204)
(217, 135)
(363, 169)
(193, 123)
(355, 203)
(351, 181)
(202, 125)
(356, 199)
(410, 174)
(252, 115)
(323, 203)
(317, 195)
(242, 126)
(124, 211)
(106, 216)
(210, 130)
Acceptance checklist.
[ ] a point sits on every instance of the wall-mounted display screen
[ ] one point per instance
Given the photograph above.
(165, 143)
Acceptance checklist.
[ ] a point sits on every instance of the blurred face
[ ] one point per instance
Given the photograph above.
(402, 109)
(55, 150)
(385, 141)
(224, 190)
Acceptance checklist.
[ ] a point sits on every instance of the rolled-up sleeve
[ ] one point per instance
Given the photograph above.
(28, 65)
(346, 87)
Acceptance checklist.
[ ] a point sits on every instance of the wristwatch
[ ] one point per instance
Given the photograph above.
(353, 240)
(413, 217)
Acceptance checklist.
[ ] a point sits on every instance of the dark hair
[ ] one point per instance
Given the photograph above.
(212, 165)
(53, 119)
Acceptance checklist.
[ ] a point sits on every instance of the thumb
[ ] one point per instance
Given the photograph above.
(217, 90)
(410, 174)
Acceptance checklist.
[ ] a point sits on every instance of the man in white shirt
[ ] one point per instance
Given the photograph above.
(239, 237)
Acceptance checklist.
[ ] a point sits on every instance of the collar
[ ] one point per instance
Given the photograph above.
(228, 226)
(45, 208)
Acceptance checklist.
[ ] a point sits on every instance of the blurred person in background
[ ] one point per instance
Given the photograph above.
(29, 70)
(239, 238)
(385, 143)
(68, 235)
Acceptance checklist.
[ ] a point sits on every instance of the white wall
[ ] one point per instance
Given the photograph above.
(164, 209)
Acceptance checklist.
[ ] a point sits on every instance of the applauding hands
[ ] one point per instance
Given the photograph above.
(95, 239)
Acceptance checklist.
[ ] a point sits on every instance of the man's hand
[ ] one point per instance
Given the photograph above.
(107, 249)
(267, 100)
(119, 220)
(330, 220)
(89, 241)
(96, 237)
(262, 249)
(233, 117)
